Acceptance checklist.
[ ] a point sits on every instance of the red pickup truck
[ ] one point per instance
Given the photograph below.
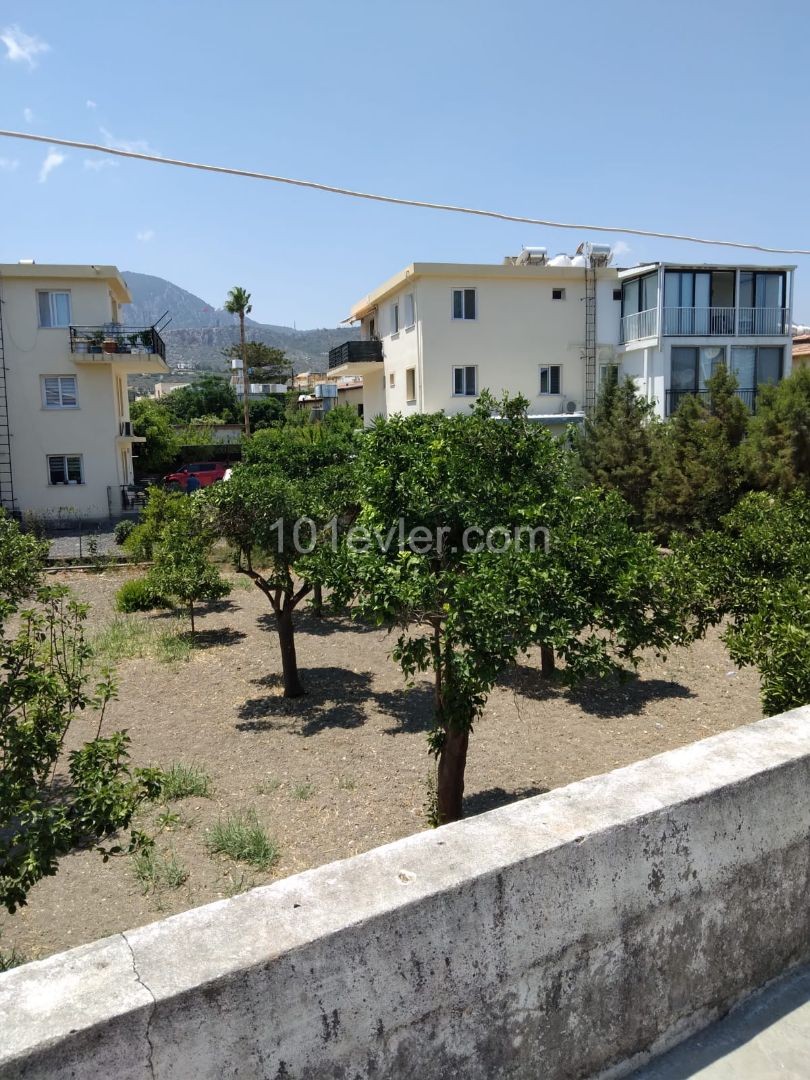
(207, 472)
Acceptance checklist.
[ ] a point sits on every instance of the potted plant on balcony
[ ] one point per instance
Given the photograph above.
(110, 342)
(80, 344)
(96, 340)
(133, 340)
(147, 340)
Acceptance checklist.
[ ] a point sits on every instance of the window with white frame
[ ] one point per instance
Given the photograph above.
(65, 469)
(395, 318)
(410, 310)
(551, 379)
(54, 309)
(465, 304)
(59, 392)
(608, 373)
(410, 385)
(465, 381)
(392, 380)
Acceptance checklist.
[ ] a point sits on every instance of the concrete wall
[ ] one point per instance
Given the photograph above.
(563, 936)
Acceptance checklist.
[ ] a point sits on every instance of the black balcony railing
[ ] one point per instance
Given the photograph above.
(675, 397)
(114, 339)
(353, 351)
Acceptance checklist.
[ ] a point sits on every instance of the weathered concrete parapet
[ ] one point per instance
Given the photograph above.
(562, 936)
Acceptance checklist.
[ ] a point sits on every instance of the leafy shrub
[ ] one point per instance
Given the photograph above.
(140, 594)
(123, 529)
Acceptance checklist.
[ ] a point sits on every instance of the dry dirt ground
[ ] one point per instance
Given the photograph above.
(345, 768)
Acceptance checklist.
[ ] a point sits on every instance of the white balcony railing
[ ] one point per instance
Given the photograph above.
(699, 321)
(642, 324)
(762, 321)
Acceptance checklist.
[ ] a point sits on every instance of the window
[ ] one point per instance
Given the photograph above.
(65, 469)
(608, 373)
(558, 294)
(392, 380)
(551, 379)
(59, 392)
(464, 304)
(640, 294)
(753, 365)
(617, 294)
(54, 309)
(410, 310)
(360, 408)
(465, 380)
(692, 367)
(395, 318)
(410, 384)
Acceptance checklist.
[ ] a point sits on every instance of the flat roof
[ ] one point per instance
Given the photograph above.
(71, 272)
(462, 271)
(646, 268)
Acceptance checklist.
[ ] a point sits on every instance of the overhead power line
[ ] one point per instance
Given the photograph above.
(393, 199)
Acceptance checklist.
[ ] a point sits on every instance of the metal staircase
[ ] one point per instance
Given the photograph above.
(6, 478)
(590, 336)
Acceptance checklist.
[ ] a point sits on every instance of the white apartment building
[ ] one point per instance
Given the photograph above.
(65, 433)
(436, 334)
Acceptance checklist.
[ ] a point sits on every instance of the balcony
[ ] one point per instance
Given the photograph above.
(675, 397)
(707, 322)
(356, 357)
(130, 348)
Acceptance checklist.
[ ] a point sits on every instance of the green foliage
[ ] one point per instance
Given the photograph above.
(181, 781)
(266, 412)
(210, 395)
(153, 420)
(265, 364)
(303, 791)
(45, 688)
(241, 837)
(599, 594)
(126, 637)
(756, 572)
(615, 446)
(154, 870)
(699, 473)
(140, 594)
(123, 529)
(161, 507)
(182, 567)
(777, 450)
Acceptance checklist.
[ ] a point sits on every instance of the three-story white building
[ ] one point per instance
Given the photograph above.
(65, 433)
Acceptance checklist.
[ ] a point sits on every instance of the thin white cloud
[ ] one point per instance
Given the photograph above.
(620, 248)
(91, 104)
(8, 164)
(145, 235)
(53, 159)
(28, 115)
(21, 47)
(99, 163)
(134, 146)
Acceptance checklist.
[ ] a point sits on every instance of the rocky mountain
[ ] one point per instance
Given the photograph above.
(198, 332)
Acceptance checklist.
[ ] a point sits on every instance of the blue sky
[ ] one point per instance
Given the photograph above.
(688, 117)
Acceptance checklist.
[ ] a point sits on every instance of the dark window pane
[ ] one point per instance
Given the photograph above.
(684, 368)
(469, 303)
(470, 390)
(769, 364)
(746, 289)
(458, 304)
(543, 380)
(458, 380)
(554, 380)
(74, 469)
(56, 468)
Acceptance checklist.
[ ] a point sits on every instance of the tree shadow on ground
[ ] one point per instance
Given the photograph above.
(492, 798)
(411, 708)
(209, 639)
(308, 623)
(610, 697)
(334, 698)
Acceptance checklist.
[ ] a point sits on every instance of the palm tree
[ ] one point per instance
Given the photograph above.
(238, 303)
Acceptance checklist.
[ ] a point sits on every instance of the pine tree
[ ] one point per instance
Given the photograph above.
(777, 451)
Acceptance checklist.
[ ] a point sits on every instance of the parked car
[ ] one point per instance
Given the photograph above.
(207, 472)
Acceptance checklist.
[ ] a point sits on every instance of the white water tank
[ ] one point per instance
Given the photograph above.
(533, 256)
(579, 260)
(560, 260)
(326, 390)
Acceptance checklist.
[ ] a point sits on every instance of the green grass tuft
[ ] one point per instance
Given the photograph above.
(181, 781)
(127, 637)
(302, 791)
(12, 959)
(155, 871)
(243, 839)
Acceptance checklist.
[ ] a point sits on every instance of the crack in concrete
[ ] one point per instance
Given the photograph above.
(147, 1033)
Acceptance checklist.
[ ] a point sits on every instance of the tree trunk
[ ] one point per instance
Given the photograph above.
(289, 663)
(317, 601)
(547, 665)
(452, 762)
(245, 383)
(191, 614)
